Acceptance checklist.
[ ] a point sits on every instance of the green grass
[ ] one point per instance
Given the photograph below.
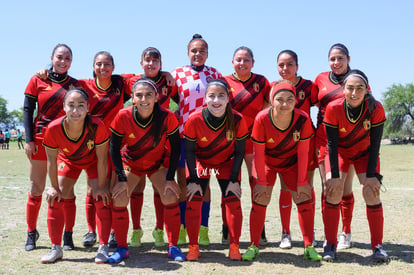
(397, 166)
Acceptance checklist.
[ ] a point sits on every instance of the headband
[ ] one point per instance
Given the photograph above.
(282, 86)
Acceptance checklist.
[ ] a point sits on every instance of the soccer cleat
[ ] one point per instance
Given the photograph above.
(182, 238)
(379, 254)
(102, 255)
(251, 253)
(89, 239)
(68, 241)
(203, 236)
(193, 252)
(54, 254)
(32, 237)
(225, 235)
(158, 235)
(174, 252)
(329, 252)
(136, 237)
(285, 242)
(112, 240)
(234, 252)
(344, 241)
(119, 254)
(311, 254)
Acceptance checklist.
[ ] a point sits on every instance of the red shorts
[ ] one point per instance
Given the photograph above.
(289, 176)
(40, 151)
(71, 170)
(249, 147)
(360, 164)
(133, 167)
(221, 172)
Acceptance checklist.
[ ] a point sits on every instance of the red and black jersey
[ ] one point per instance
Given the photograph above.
(325, 90)
(49, 95)
(214, 146)
(354, 134)
(139, 138)
(80, 151)
(165, 92)
(303, 94)
(105, 104)
(248, 97)
(281, 144)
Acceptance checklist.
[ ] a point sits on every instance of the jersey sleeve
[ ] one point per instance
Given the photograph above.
(242, 131)
(172, 124)
(266, 90)
(330, 118)
(307, 131)
(258, 132)
(31, 88)
(315, 92)
(378, 115)
(116, 125)
(49, 140)
(102, 134)
(189, 129)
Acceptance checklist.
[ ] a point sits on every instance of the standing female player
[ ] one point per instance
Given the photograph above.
(215, 140)
(248, 94)
(74, 143)
(354, 127)
(328, 87)
(151, 64)
(287, 66)
(20, 139)
(47, 95)
(191, 83)
(281, 137)
(144, 128)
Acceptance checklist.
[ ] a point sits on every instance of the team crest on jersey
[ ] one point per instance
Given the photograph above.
(296, 136)
(209, 78)
(61, 166)
(229, 135)
(90, 144)
(301, 95)
(256, 87)
(367, 124)
(164, 90)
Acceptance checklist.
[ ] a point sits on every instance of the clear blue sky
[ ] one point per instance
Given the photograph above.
(379, 35)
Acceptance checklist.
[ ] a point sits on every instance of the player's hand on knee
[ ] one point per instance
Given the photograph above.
(235, 188)
(192, 189)
(52, 194)
(173, 187)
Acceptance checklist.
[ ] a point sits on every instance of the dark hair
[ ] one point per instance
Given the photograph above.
(244, 48)
(230, 124)
(289, 52)
(371, 101)
(341, 47)
(152, 52)
(197, 37)
(102, 53)
(156, 127)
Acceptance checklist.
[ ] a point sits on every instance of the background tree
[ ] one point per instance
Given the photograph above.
(4, 114)
(399, 108)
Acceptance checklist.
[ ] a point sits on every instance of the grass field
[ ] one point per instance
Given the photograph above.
(397, 166)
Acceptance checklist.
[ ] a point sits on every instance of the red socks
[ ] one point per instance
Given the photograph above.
(223, 211)
(234, 218)
(347, 207)
(120, 224)
(32, 211)
(69, 211)
(376, 223)
(285, 208)
(172, 223)
(136, 201)
(306, 215)
(103, 221)
(159, 211)
(90, 212)
(55, 222)
(257, 219)
(193, 218)
(331, 220)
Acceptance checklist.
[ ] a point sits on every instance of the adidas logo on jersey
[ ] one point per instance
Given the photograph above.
(48, 88)
(132, 135)
(270, 140)
(343, 130)
(324, 89)
(66, 150)
(204, 139)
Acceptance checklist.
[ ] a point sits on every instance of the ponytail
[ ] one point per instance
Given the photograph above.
(230, 124)
(157, 125)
